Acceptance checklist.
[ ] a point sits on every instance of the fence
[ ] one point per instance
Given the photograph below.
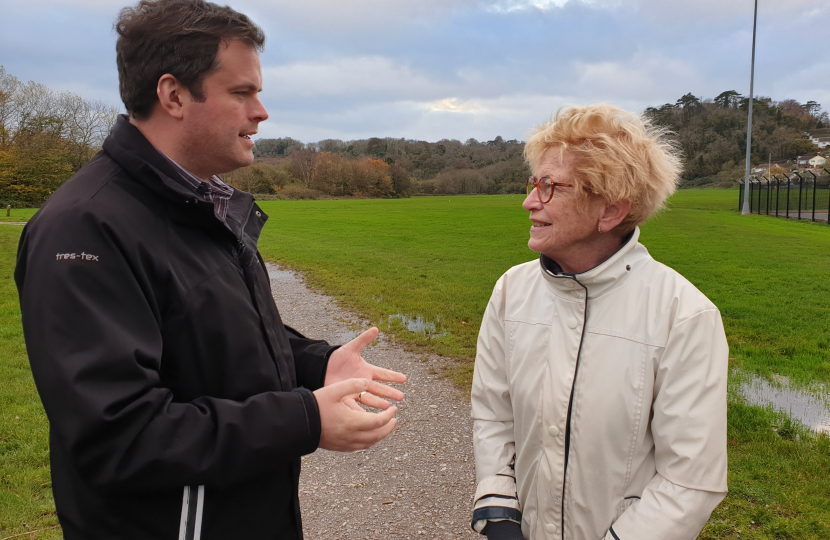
(800, 195)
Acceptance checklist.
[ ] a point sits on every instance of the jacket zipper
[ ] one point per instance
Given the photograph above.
(570, 405)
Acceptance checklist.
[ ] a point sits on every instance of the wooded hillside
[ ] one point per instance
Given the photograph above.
(712, 133)
(46, 136)
(444, 167)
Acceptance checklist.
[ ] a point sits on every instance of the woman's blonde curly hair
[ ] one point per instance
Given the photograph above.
(616, 154)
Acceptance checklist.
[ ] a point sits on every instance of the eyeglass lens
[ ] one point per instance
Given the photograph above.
(543, 186)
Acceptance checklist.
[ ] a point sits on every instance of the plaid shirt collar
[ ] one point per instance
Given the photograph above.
(212, 190)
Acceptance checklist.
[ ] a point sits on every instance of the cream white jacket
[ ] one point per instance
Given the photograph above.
(599, 402)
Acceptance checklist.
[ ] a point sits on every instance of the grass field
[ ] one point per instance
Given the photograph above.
(438, 258)
(17, 214)
(25, 485)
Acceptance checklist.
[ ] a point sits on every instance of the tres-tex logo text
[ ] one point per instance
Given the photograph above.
(72, 256)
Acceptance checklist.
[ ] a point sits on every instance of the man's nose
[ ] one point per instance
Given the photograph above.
(259, 112)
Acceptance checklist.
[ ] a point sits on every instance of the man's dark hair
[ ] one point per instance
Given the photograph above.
(179, 37)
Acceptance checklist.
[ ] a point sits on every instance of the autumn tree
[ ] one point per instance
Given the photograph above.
(86, 123)
(401, 181)
(275, 147)
(379, 179)
(45, 136)
(262, 178)
(326, 175)
(376, 147)
(302, 163)
(408, 160)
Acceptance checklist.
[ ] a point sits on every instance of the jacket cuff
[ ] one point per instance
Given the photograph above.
(496, 500)
(326, 365)
(312, 415)
(504, 486)
(482, 516)
(311, 357)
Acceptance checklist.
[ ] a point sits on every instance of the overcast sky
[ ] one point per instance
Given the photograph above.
(455, 69)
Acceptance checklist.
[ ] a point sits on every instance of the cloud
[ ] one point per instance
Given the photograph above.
(105, 6)
(455, 105)
(707, 10)
(510, 116)
(324, 17)
(456, 68)
(362, 78)
(811, 82)
(314, 16)
(507, 6)
(644, 78)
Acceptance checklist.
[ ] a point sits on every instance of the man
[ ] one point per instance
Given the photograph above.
(179, 404)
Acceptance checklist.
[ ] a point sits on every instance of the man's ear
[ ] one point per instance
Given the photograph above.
(172, 94)
(614, 214)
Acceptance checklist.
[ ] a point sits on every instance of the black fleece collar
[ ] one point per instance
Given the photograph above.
(140, 159)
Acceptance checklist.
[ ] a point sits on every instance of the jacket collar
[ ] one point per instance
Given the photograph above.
(140, 159)
(608, 275)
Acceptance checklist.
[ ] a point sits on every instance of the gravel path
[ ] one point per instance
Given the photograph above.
(416, 483)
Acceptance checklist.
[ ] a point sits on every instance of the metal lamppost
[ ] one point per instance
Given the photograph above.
(749, 122)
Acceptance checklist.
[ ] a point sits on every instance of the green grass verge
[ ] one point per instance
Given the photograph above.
(778, 485)
(438, 258)
(434, 257)
(768, 276)
(17, 214)
(26, 502)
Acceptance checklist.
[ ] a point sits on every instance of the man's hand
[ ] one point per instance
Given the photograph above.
(345, 426)
(347, 363)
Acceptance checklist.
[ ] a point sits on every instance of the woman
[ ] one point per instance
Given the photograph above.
(599, 393)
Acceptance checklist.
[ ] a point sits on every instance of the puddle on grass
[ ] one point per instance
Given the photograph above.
(418, 324)
(276, 274)
(810, 410)
(345, 337)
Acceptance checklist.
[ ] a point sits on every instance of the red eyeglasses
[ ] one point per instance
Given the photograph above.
(544, 187)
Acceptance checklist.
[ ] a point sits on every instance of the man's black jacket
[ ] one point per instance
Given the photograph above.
(179, 405)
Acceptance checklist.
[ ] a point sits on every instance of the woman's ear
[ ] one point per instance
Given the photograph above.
(614, 214)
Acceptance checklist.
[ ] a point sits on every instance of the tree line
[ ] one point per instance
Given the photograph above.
(45, 136)
(712, 133)
(309, 174)
(387, 167)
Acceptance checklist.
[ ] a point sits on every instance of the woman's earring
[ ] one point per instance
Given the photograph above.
(600, 229)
